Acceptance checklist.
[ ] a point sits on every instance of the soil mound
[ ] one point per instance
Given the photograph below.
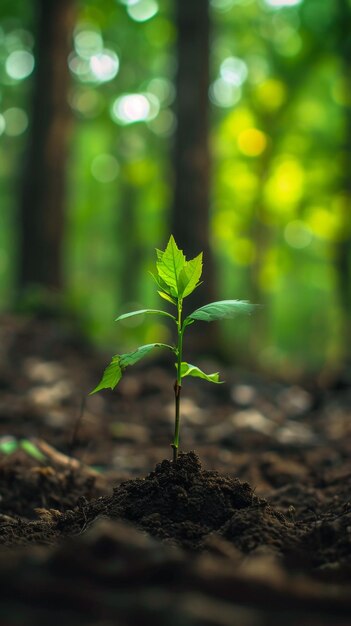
(182, 504)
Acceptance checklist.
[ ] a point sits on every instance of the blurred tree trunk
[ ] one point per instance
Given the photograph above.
(343, 246)
(43, 190)
(190, 213)
(190, 217)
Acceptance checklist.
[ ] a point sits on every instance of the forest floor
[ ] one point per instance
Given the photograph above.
(250, 527)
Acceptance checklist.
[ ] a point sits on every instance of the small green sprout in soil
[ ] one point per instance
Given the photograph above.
(176, 278)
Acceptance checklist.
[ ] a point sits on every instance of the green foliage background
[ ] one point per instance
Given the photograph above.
(280, 204)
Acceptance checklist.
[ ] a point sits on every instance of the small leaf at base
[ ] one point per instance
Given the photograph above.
(165, 296)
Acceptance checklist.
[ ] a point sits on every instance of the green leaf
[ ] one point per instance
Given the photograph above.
(32, 450)
(111, 376)
(191, 370)
(144, 312)
(190, 275)
(113, 372)
(133, 357)
(165, 296)
(223, 309)
(169, 265)
(161, 284)
(8, 444)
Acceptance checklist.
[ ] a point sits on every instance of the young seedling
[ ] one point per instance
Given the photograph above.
(176, 278)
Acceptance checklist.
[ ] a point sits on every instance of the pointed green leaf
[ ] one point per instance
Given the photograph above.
(143, 312)
(165, 296)
(111, 376)
(190, 275)
(223, 309)
(161, 284)
(169, 265)
(133, 357)
(113, 372)
(191, 370)
(32, 450)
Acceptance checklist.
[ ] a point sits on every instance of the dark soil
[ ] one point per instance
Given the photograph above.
(101, 532)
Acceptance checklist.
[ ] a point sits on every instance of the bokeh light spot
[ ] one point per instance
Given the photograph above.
(282, 3)
(233, 71)
(2, 124)
(88, 43)
(80, 67)
(105, 168)
(16, 121)
(287, 42)
(224, 94)
(270, 94)
(222, 5)
(104, 65)
(19, 64)
(87, 102)
(285, 186)
(323, 223)
(252, 142)
(163, 89)
(142, 10)
(135, 107)
(297, 234)
(99, 68)
(164, 124)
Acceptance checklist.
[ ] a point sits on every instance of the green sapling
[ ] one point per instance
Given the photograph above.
(176, 278)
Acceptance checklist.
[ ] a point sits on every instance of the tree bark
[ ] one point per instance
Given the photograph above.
(43, 191)
(191, 158)
(190, 215)
(343, 246)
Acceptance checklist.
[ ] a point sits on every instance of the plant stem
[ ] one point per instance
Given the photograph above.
(178, 382)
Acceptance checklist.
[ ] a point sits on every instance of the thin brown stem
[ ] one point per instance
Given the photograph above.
(178, 382)
(175, 444)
